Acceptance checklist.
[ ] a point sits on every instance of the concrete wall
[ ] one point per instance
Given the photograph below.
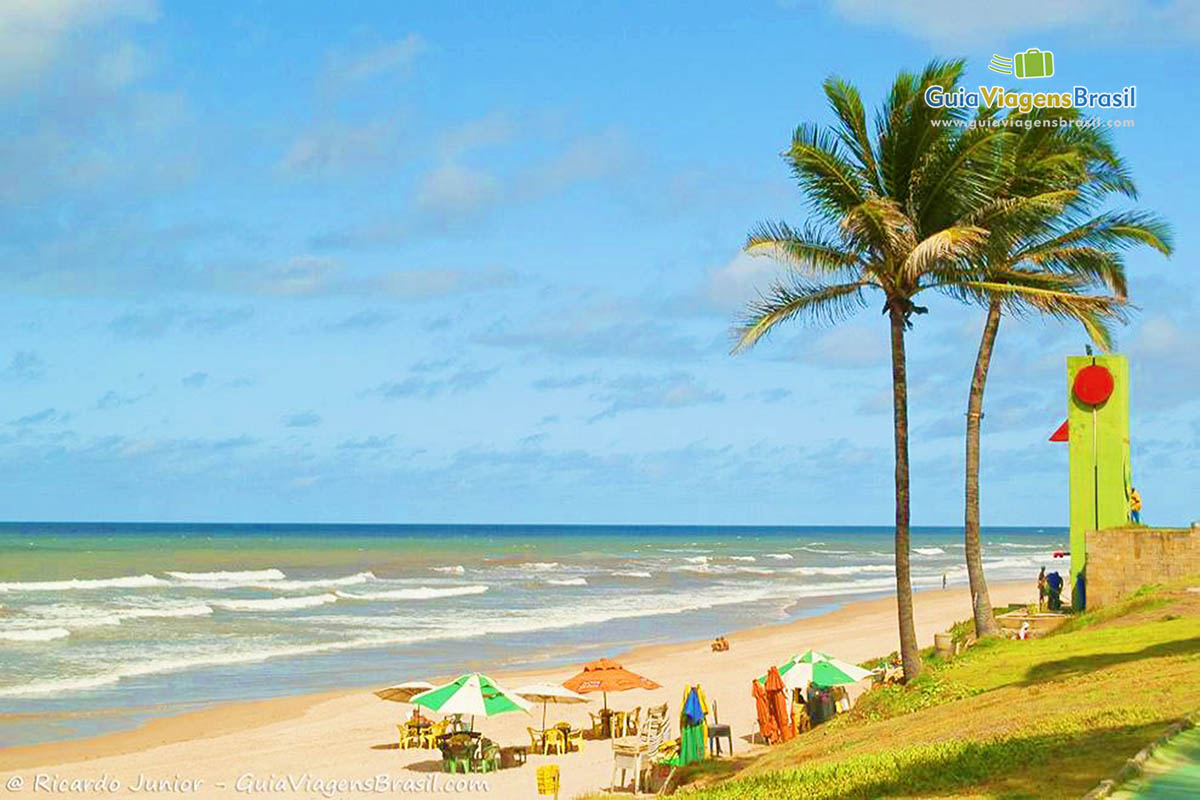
(1122, 560)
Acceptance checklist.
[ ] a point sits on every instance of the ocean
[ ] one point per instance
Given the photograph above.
(105, 625)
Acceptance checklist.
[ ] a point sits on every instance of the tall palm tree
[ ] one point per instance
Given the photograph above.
(891, 214)
(1046, 256)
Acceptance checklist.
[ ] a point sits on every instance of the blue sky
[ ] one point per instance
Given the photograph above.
(469, 263)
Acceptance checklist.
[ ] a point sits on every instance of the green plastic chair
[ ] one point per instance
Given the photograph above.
(456, 754)
(488, 759)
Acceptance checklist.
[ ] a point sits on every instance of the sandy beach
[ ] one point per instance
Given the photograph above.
(334, 743)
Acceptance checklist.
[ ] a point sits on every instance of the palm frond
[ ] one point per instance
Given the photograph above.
(783, 302)
(829, 181)
(852, 129)
(941, 249)
(879, 225)
(810, 252)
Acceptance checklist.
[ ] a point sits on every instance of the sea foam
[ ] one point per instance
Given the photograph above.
(422, 593)
(35, 634)
(129, 582)
(242, 576)
(567, 581)
(276, 603)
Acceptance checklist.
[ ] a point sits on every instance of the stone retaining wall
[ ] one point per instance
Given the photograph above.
(1122, 560)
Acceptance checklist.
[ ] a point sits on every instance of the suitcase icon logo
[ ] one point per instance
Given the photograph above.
(1033, 63)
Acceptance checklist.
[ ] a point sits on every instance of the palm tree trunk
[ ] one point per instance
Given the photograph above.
(904, 599)
(985, 621)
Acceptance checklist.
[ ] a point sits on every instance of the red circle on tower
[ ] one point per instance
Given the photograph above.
(1093, 385)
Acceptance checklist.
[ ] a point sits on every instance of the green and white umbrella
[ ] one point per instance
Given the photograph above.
(474, 694)
(819, 668)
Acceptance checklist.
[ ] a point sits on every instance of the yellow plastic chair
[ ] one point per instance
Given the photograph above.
(537, 740)
(574, 739)
(430, 736)
(556, 739)
(409, 736)
(618, 724)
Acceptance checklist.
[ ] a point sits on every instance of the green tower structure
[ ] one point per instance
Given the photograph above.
(1098, 437)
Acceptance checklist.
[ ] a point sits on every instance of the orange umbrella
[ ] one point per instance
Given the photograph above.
(777, 702)
(607, 676)
(766, 725)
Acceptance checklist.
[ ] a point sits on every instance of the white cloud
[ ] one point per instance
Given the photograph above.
(487, 131)
(1160, 337)
(956, 22)
(732, 286)
(35, 33)
(453, 191)
(312, 276)
(636, 392)
(346, 68)
(299, 277)
(336, 149)
(587, 158)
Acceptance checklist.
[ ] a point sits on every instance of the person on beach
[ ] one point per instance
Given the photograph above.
(1135, 507)
(1054, 587)
(1043, 590)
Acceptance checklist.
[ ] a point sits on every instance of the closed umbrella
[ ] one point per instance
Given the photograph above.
(762, 708)
(693, 726)
(546, 693)
(779, 703)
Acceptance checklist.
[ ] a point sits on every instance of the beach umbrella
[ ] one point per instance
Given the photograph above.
(762, 708)
(693, 726)
(607, 676)
(779, 704)
(472, 693)
(819, 668)
(546, 693)
(404, 692)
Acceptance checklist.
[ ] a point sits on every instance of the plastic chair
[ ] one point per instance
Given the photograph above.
(574, 740)
(632, 721)
(457, 753)
(637, 752)
(557, 739)
(430, 736)
(410, 736)
(537, 740)
(617, 724)
(487, 759)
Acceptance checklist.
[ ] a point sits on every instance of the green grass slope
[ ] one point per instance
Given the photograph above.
(1047, 718)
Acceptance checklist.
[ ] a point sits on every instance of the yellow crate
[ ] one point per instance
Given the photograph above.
(547, 780)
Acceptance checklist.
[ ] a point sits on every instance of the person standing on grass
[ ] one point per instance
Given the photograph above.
(1135, 507)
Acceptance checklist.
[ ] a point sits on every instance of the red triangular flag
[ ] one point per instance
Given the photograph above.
(1062, 434)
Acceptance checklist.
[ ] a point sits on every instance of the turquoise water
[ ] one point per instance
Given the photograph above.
(104, 625)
